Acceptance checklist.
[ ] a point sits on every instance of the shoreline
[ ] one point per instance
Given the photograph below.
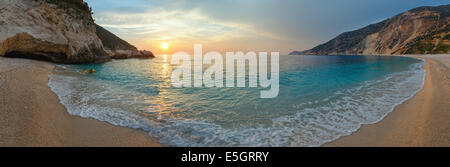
(32, 115)
(422, 120)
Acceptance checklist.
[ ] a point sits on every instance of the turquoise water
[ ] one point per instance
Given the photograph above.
(321, 98)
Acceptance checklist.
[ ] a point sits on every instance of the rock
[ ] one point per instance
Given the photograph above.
(59, 31)
(296, 53)
(423, 30)
(118, 48)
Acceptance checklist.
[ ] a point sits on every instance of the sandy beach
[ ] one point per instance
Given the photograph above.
(423, 120)
(31, 114)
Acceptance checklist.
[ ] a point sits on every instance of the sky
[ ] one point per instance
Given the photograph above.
(241, 25)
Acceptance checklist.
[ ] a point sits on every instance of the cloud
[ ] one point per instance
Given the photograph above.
(177, 25)
(235, 24)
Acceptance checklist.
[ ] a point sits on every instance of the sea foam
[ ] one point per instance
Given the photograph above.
(340, 114)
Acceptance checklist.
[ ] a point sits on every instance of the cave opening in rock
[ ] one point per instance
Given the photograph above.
(40, 56)
(15, 54)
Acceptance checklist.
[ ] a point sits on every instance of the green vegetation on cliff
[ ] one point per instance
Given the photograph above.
(111, 41)
(428, 47)
(437, 42)
(423, 30)
(74, 4)
(422, 47)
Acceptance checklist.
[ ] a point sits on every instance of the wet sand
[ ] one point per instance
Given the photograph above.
(31, 114)
(423, 120)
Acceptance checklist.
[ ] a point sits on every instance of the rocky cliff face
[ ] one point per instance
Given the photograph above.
(61, 31)
(118, 48)
(423, 30)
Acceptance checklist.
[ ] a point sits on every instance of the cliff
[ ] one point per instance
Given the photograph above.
(118, 48)
(423, 30)
(61, 31)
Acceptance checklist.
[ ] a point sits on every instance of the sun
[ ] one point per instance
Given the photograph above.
(165, 45)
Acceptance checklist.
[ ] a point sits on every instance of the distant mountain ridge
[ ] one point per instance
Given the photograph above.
(422, 30)
(118, 48)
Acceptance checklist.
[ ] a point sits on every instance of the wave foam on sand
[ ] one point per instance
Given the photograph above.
(366, 104)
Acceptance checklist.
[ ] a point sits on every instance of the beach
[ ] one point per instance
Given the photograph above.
(423, 120)
(31, 114)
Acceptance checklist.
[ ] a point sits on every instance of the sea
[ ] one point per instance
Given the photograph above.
(321, 98)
